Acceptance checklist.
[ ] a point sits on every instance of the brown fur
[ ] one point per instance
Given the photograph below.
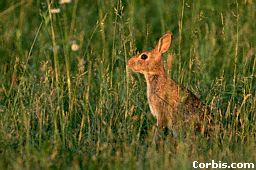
(168, 102)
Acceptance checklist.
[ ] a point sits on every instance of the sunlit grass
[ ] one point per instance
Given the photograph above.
(67, 99)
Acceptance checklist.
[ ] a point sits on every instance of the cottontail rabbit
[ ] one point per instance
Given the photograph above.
(169, 103)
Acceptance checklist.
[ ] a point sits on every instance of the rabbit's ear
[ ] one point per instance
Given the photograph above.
(164, 43)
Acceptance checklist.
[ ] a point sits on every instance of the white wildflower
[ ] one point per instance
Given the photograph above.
(75, 46)
(65, 1)
(55, 10)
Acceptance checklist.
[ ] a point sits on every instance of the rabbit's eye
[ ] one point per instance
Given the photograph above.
(143, 56)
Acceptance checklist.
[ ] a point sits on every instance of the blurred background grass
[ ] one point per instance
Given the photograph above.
(67, 100)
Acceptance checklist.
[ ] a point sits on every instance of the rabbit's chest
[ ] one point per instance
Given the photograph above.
(153, 108)
(158, 96)
(156, 103)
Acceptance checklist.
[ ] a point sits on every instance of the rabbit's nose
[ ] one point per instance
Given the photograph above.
(130, 63)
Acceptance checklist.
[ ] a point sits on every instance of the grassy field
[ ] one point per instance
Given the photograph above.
(68, 101)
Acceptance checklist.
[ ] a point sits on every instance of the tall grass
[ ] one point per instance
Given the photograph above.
(67, 99)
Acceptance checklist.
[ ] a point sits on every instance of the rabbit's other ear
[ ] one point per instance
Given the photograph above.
(169, 61)
(164, 43)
